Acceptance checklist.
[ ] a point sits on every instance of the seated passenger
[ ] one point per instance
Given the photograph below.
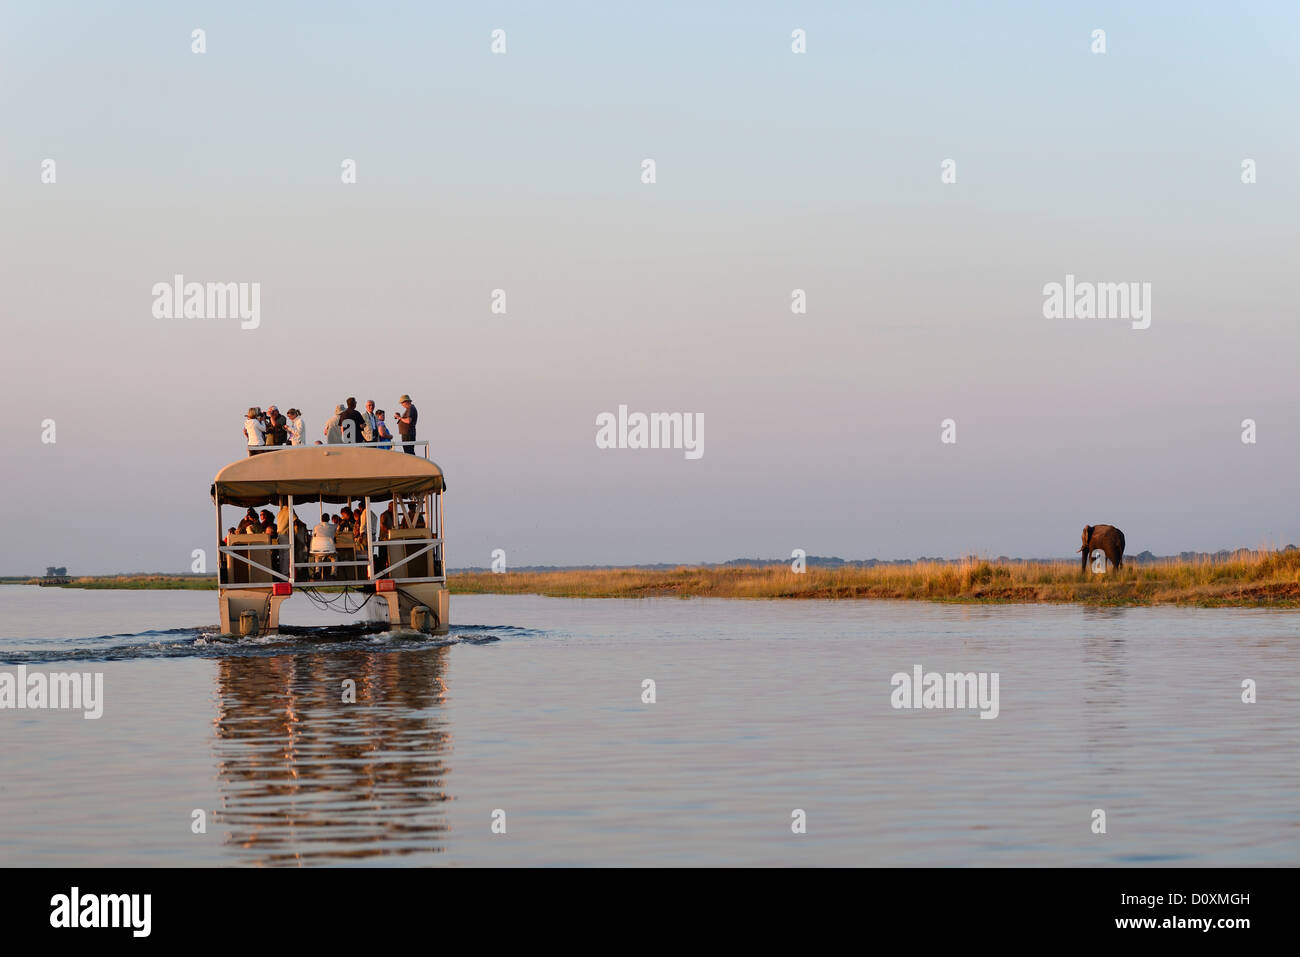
(322, 544)
(269, 531)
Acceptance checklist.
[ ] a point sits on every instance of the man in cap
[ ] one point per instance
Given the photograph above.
(334, 427)
(406, 423)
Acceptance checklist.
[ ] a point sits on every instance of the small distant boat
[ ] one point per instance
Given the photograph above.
(402, 573)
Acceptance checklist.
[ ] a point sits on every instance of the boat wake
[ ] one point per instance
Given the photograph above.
(207, 642)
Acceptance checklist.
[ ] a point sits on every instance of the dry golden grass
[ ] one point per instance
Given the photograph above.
(1248, 579)
(1252, 579)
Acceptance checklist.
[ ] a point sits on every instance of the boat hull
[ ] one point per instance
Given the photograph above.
(404, 609)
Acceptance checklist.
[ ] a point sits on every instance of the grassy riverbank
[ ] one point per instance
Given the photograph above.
(182, 582)
(1251, 579)
(1271, 579)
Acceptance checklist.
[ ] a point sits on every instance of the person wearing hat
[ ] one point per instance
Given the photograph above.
(406, 423)
(255, 431)
(334, 427)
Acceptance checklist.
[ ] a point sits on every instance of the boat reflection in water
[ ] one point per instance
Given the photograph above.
(305, 778)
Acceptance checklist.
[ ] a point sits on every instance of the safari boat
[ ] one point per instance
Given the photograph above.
(400, 572)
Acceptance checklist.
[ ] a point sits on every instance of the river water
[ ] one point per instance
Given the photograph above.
(531, 718)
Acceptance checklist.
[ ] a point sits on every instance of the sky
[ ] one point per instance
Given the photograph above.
(775, 171)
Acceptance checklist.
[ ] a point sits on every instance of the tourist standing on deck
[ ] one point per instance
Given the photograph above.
(356, 433)
(406, 423)
(297, 428)
(382, 436)
(369, 432)
(276, 432)
(334, 427)
(255, 431)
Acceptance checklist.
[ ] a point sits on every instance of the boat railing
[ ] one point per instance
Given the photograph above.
(387, 445)
(423, 546)
(235, 552)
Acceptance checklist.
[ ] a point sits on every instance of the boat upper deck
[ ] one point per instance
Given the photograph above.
(330, 473)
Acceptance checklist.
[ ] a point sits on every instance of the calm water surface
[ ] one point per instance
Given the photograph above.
(533, 706)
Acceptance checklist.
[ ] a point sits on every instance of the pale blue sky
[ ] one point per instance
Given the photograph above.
(775, 171)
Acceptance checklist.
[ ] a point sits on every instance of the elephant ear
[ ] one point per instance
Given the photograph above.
(1087, 532)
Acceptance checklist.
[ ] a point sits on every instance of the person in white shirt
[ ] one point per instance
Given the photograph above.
(297, 428)
(322, 544)
(255, 430)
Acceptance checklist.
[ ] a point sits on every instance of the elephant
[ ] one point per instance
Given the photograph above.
(1108, 539)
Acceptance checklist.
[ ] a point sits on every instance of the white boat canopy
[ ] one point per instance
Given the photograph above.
(330, 473)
